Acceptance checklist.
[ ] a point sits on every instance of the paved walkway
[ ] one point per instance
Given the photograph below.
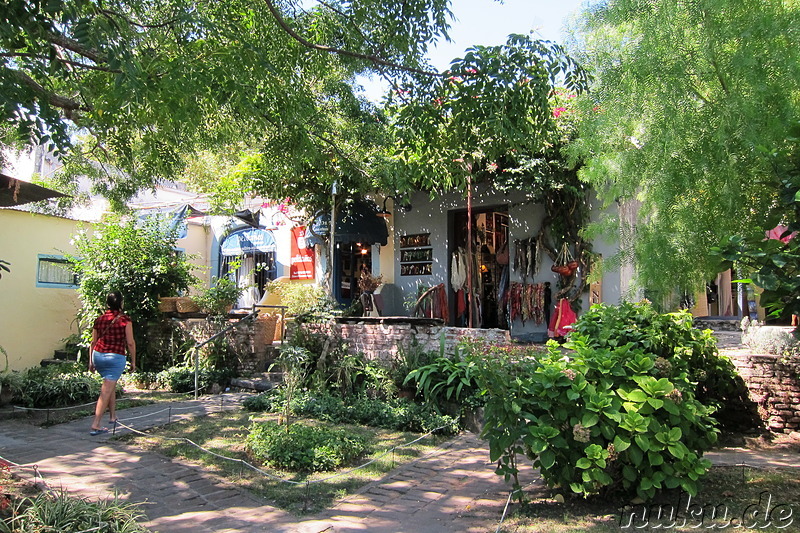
(452, 489)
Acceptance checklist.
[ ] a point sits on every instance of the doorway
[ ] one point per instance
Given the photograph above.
(351, 259)
(489, 263)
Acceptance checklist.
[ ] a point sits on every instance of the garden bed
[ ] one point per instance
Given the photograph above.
(301, 493)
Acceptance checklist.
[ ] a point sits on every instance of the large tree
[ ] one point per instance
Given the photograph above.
(130, 90)
(689, 101)
(500, 115)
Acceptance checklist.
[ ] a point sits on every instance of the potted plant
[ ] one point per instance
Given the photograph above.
(220, 298)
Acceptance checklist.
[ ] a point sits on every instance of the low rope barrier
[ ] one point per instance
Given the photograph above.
(37, 475)
(272, 476)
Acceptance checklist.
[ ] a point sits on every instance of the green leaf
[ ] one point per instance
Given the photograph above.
(589, 420)
(620, 444)
(655, 403)
(547, 459)
(584, 463)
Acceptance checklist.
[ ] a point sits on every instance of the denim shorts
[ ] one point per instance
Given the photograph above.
(109, 365)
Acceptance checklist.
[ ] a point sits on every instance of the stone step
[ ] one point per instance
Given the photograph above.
(259, 382)
(65, 355)
(54, 361)
(718, 324)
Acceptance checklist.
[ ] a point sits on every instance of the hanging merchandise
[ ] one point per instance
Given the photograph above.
(521, 259)
(526, 258)
(432, 302)
(565, 264)
(562, 320)
(527, 302)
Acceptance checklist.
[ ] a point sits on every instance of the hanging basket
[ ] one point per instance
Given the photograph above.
(565, 264)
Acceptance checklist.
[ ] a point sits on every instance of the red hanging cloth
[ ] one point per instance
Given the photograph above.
(562, 320)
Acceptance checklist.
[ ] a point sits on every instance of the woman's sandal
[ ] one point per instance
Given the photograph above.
(94, 432)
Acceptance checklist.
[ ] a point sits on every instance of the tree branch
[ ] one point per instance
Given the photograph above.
(69, 105)
(74, 46)
(332, 50)
(62, 60)
(110, 14)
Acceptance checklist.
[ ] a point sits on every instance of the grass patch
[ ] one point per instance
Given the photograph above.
(730, 498)
(225, 434)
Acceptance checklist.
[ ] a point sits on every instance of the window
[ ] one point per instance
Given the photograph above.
(56, 272)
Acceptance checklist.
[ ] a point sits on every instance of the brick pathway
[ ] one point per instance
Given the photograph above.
(452, 489)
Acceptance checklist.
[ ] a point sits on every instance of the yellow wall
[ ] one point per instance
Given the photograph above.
(197, 243)
(33, 320)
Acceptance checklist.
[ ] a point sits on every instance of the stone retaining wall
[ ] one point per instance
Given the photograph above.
(250, 343)
(774, 385)
(383, 338)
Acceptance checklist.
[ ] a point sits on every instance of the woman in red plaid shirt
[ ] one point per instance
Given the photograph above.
(112, 336)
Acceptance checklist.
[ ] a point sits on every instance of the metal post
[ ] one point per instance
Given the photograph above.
(332, 235)
(470, 258)
(196, 369)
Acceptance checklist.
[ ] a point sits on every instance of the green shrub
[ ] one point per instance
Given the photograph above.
(302, 448)
(668, 335)
(266, 401)
(301, 299)
(400, 415)
(448, 379)
(140, 380)
(181, 378)
(64, 513)
(597, 420)
(57, 386)
(672, 337)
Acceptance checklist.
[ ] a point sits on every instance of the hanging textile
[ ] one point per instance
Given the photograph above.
(458, 270)
(526, 258)
(432, 302)
(562, 320)
(547, 301)
(521, 259)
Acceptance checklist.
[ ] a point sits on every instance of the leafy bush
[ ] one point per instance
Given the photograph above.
(139, 261)
(301, 299)
(260, 402)
(57, 386)
(598, 420)
(670, 336)
(401, 415)
(64, 513)
(448, 379)
(181, 378)
(303, 448)
(219, 298)
(140, 380)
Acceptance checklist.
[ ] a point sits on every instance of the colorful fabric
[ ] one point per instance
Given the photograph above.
(562, 320)
(111, 332)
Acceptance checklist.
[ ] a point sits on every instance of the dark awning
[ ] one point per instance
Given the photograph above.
(248, 241)
(357, 223)
(18, 192)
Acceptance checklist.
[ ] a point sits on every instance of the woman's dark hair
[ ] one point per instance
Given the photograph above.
(114, 301)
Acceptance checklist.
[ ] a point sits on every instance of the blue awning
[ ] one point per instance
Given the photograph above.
(248, 241)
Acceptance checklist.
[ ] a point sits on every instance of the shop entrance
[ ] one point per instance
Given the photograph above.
(351, 259)
(489, 262)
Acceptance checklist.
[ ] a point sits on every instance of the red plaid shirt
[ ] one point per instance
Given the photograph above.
(111, 336)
